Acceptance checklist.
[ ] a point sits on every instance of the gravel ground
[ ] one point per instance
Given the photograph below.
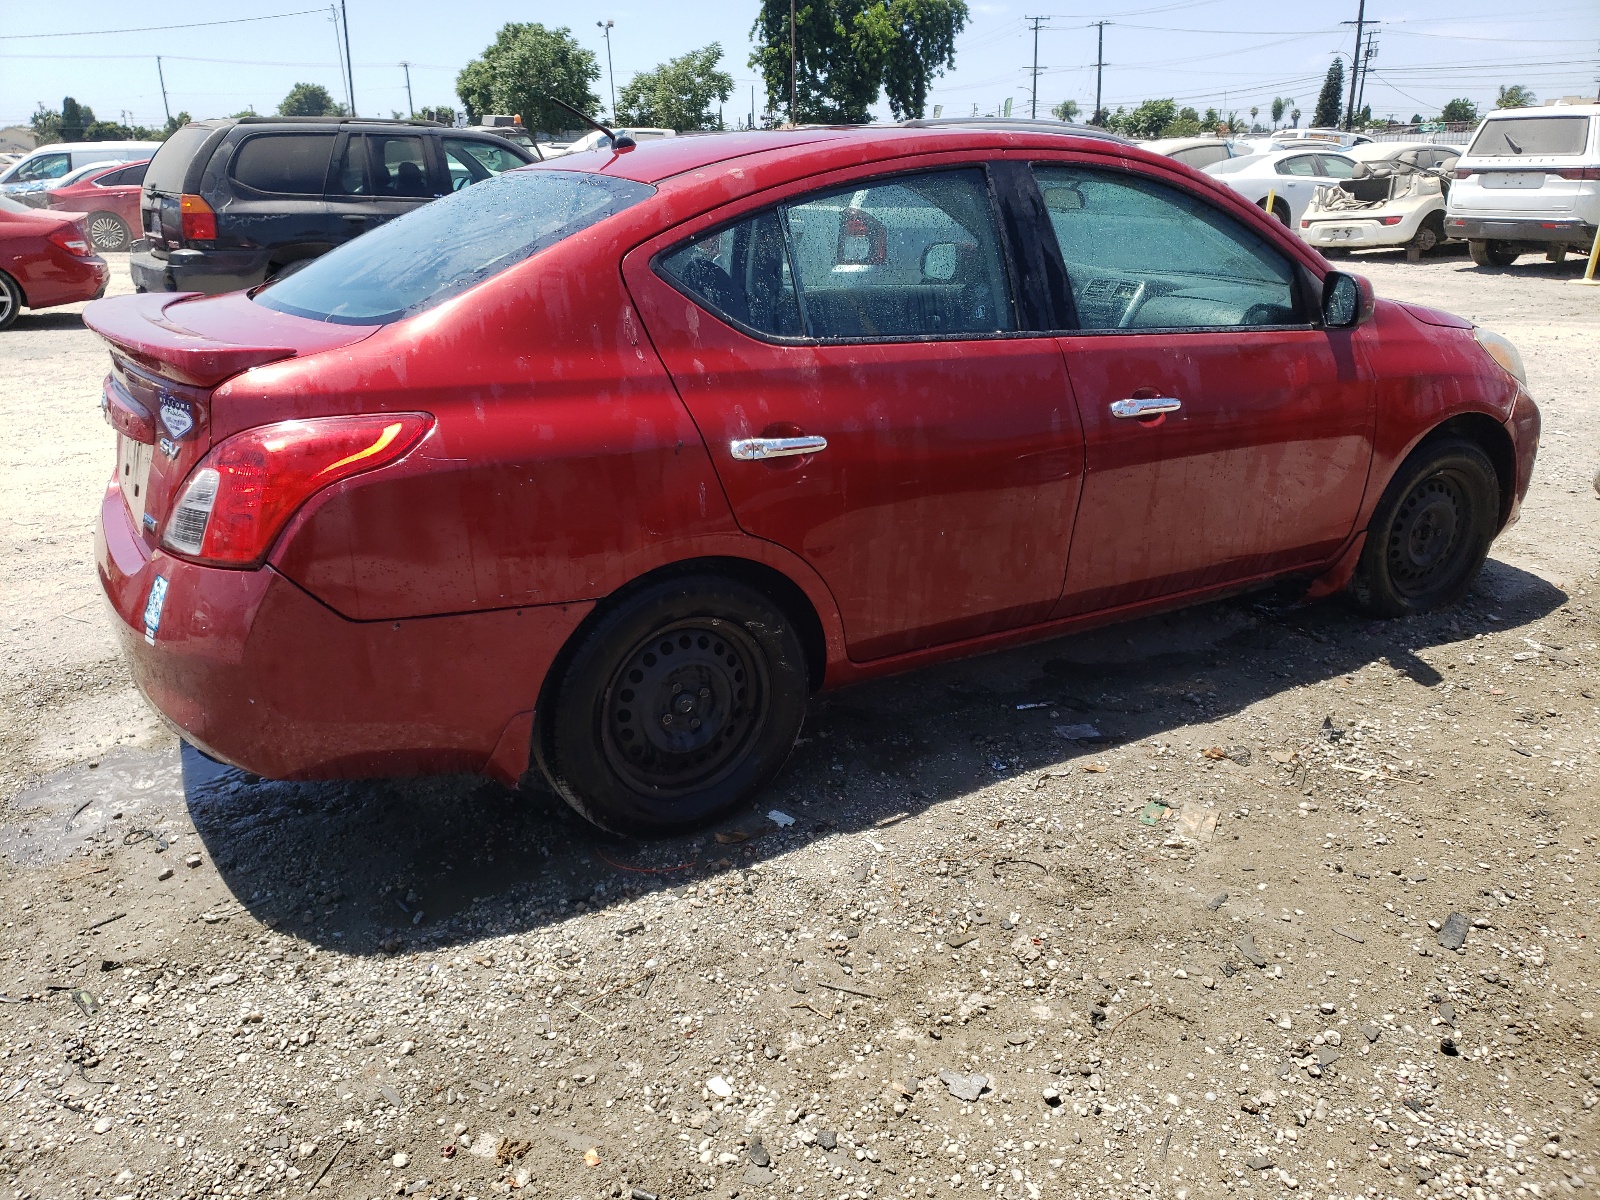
(1315, 911)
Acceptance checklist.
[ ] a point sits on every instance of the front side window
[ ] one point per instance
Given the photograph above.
(471, 161)
(46, 166)
(285, 164)
(439, 250)
(1335, 167)
(1300, 164)
(1201, 156)
(910, 257)
(1142, 255)
(398, 166)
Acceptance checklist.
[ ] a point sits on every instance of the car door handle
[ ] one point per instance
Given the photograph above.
(356, 217)
(751, 449)
(1149, 406)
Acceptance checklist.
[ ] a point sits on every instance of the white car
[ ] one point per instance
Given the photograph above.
(1196, 152)
(599, 141)
(1397, 198)
(1530, 180)
(1289, 178)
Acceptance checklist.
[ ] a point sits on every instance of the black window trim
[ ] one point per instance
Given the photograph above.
(1298, 284)
(656, 266)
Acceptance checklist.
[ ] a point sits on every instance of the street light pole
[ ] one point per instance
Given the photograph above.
(611, 75)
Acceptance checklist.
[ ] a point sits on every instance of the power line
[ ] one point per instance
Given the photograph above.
(16, 37)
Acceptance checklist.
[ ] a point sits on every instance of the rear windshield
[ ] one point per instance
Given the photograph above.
(1531, 135)
(442, 249)
(170, 165)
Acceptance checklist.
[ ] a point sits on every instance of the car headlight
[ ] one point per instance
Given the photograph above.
(1503, 352)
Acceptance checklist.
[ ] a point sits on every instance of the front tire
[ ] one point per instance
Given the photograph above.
(1493, 253)
(107, 231)
(10, 300)
(1431, 531)
(681, 702)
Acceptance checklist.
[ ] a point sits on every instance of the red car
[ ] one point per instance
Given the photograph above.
(110, 197)
(45, 260)
(606, 464)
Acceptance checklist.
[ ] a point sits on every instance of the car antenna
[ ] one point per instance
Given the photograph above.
(619, 141)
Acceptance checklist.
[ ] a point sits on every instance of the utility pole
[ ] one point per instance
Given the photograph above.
(349, 67)
(338, 53)
(1100, 66)
(791, 64)
(411, 108)
(1355, 61)
(611, 76)
(162, 75)
(1033, 105)
(1367, 56)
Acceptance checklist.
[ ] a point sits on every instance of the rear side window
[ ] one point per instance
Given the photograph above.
(286, 164)
(1531, 135)
(398, 165)
(169, 167)
(1201, 156)
(910, 257)
(1141, 255)
(441, 249)
(1300, 164)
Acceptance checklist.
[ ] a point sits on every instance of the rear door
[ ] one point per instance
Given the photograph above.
(857, 363)
(1228, 437)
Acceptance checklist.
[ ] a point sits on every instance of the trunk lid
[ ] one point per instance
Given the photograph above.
(169, 353)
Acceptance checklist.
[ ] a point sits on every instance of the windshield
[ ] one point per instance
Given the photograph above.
(1531, 135)
(442, 249)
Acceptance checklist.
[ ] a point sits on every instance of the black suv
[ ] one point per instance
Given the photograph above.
(230, 203)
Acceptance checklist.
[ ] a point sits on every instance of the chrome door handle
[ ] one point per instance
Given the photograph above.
(750, 449)
(1147, 407)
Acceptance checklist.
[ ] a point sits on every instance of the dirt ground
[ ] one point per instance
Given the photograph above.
(1318, 912)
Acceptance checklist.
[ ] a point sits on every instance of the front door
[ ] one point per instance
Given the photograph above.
(852, 359)
(1227, 436)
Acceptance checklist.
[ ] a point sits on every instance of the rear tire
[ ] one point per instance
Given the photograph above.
(1279, 210)
(1431, 531)
(10, 300)
(679, 703)
(1493, 253)
(107, 231)
(1429, 235)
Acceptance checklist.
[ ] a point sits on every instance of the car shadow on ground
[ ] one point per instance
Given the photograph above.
(377, 866)
(40, 322)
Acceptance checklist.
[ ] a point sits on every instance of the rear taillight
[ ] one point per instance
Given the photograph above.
(244, 492)
(863, 240)
(72, 242)
(1576, 173)
(199, 221)
(1389, 220)
(1463, 173)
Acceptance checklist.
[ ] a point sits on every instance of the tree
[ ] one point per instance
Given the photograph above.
(1515, 96)
(178, 122)
(848, 52)
(309, 100)
(1254, 109)
(1416, 118)
(441, 113)
(1279, 104)
(1149, 120)
(1330, 101)
(1294, 116)
(1066, 110)
(679, 93)
(1460, 110)
(526, 64)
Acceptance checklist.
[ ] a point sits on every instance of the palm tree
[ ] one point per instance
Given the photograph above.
(1278, 105)
(1294, 115)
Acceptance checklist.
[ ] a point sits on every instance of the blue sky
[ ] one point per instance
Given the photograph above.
(1203, 52)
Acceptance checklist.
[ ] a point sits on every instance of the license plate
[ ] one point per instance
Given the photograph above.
(133, 474)
(1513, 180)
(153, 220)
(153, 607)
(1342, 233)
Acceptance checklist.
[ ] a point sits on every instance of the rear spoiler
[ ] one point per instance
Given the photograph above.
(140, 328)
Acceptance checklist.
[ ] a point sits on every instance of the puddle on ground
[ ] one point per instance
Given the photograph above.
(85, 806)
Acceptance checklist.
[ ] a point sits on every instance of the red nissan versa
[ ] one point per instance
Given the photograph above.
(607, 463)
(45, 260)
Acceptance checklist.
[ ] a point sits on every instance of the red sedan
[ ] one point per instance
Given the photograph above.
(110, 197)
(606, 464)
(45, 260)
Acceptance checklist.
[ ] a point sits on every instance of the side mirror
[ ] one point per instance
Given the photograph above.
(1063, 198)
(939, 262)
(1347, 300)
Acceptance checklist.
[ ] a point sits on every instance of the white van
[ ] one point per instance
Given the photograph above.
(1529, 181)
(55, 160)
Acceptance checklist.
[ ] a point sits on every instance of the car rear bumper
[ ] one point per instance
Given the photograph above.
(65, 278)
(210, 271)
(256, 672)
(1542, 230)
(1337, 234)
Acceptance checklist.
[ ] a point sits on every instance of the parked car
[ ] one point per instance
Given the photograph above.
(1288, 178)
(1396, 198)
(54, 161)
(230, 203)
(510, 128)
(110, 195)
(1529, 181)
(34, 192)
(45, 260)
(599, 141)
(1196, 152)
(611, 485)
(1341, 139)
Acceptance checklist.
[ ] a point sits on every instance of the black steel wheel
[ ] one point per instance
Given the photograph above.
(1431, 531)
(107, 231)
(677, 702)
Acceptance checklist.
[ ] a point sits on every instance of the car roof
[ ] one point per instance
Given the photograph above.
(1591, 109)
(1368, 151)
(660, 159)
